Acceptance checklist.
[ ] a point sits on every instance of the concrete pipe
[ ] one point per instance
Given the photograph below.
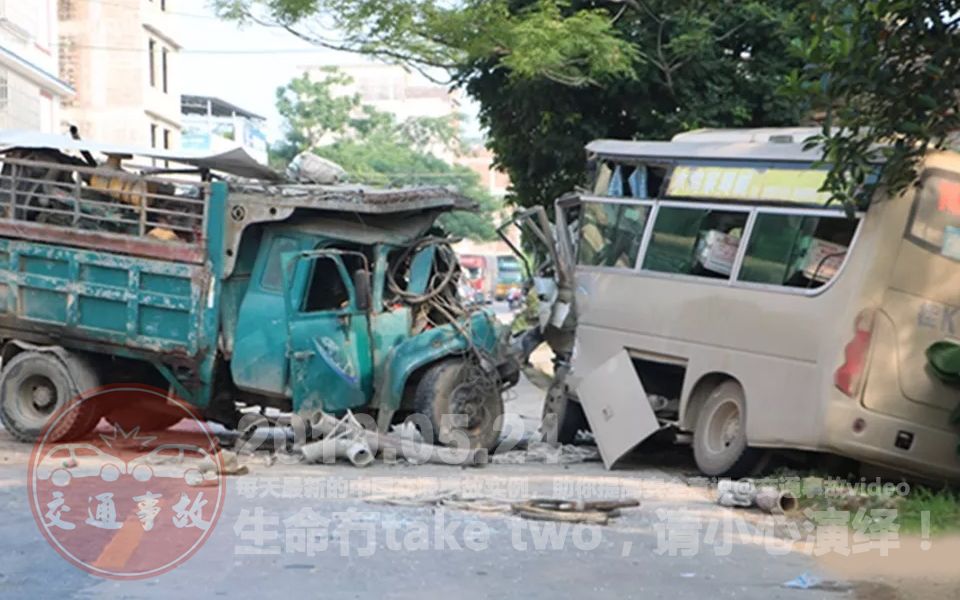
(328, 450)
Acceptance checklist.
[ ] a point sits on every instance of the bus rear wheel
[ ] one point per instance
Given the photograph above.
(720, 436)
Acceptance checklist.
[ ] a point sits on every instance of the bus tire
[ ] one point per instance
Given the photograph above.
(720, 435)
(33, 387)
(443, 390)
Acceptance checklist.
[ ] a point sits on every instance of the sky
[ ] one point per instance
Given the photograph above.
(245, 65)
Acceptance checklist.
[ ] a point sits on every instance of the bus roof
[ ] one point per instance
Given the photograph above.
(677, 150)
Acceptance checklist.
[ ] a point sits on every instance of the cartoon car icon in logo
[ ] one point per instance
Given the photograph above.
(175, 461)
(65, 462)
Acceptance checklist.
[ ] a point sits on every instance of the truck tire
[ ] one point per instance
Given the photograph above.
(446, 389)
(720, 435)
(33, 387)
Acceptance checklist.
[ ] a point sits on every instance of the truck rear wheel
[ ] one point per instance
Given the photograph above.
(458, 401)
(34, 386)
(720, 436)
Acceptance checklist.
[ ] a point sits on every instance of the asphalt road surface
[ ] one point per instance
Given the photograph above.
(373, 535)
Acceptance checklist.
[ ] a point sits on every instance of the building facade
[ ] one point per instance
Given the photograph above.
(213, 125)
(31, 91)
(122, 58)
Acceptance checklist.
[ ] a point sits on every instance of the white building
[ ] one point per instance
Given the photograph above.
(30, 89)
(214, 125)
(398, 91)
(122, 57)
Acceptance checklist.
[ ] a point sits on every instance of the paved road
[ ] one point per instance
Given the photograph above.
(486, 555)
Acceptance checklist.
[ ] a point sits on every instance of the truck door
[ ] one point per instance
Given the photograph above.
(327, 295)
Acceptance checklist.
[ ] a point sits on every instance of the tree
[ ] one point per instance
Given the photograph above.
(375, 149)
(885, 72)
(551, 75)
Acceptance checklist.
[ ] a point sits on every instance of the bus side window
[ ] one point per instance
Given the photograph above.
(797, 250)
(695, 241)
(610, 234)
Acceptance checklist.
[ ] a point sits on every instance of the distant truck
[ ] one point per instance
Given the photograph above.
(509, 276)
(289, 296)
(479, 272)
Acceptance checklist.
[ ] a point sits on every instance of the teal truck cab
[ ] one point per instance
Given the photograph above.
(230, 294)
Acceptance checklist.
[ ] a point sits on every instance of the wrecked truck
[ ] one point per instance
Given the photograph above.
(229, 287)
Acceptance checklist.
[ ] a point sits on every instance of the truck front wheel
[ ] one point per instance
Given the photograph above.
(34, 387)
(460, 400)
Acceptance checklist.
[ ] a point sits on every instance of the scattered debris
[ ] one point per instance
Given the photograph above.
(595, 512)
(571, 511)
(745, 493)
(542, 452)
(806, 581)
(229, 460)
(413, 451)
(354, 449)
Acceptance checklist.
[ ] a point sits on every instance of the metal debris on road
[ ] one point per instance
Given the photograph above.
(542, 452)
(539, 509)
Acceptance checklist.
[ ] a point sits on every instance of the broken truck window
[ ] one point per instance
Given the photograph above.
(327, 289)
(272, 277)
(611, 234)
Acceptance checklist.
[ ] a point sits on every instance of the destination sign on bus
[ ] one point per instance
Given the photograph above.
(746, 183)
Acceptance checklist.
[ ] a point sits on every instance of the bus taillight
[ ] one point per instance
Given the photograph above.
(850, 374)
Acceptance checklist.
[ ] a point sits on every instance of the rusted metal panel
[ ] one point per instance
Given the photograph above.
(172, 251)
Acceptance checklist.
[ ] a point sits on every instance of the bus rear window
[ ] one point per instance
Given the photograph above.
(611, 233)
(935, 218)
(794, 250)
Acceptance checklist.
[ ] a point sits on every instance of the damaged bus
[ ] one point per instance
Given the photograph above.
(231, 287)
(719, 292)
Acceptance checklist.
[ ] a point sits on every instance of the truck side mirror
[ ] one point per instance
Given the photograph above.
(361, 284)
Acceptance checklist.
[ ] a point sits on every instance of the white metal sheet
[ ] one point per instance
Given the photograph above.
(617, 408)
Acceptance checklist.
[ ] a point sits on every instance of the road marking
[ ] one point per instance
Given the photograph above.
(121, 546)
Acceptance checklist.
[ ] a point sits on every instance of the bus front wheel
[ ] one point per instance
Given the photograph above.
(720, 436)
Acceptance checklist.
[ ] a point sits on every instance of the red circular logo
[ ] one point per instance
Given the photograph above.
(136, 497)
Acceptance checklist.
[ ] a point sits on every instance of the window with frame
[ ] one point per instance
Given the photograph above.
(610, 234)
(621, 180)
(272, 277)
(152, 62)
(326, 289)
(935, 216)
(796, 250)
(695, 241)
(164, 62)
(4, 89)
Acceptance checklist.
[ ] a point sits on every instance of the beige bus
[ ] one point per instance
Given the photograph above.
(759, 315)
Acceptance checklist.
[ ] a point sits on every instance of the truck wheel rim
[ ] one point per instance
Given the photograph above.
(37, 399)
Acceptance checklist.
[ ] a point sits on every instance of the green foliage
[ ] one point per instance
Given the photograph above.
(538, 38)
(885, 72)
(551, 75)
(699, 64)
(377, 150)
